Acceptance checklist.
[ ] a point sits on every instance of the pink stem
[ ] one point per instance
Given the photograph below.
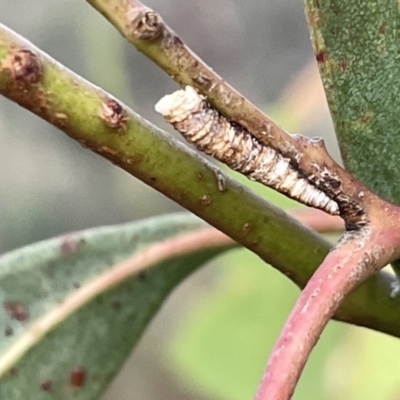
(345, 267)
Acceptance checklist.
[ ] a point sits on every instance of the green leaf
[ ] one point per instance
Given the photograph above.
(57, 346)
(360, 354)
(222, 344)
(357, 49)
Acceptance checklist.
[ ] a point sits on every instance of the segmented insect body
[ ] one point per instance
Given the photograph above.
(226, 141)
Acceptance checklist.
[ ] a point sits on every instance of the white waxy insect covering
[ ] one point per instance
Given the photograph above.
(208, 130)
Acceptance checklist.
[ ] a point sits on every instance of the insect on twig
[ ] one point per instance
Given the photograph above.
(210, 132)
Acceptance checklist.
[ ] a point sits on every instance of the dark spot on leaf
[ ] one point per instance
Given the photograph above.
(8, 331)
(16, 310)
(366, 118)
(13, 371)
(45, 385)
(142, 276)
(77, 377)
(321, 56)
(382, 28)
(76, 285)
(153, 179)
(69, 245)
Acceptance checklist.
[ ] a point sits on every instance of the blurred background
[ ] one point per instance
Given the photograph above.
(212, 338)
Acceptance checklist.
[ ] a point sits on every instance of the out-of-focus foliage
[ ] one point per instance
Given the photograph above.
(77, 355)
(223, 346)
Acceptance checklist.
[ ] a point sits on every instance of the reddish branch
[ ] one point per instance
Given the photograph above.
(358, 255)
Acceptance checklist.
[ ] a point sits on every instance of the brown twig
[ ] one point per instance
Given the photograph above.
(145, 29)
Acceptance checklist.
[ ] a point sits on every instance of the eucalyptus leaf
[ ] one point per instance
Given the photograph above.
(356, 45)
(82, 352)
